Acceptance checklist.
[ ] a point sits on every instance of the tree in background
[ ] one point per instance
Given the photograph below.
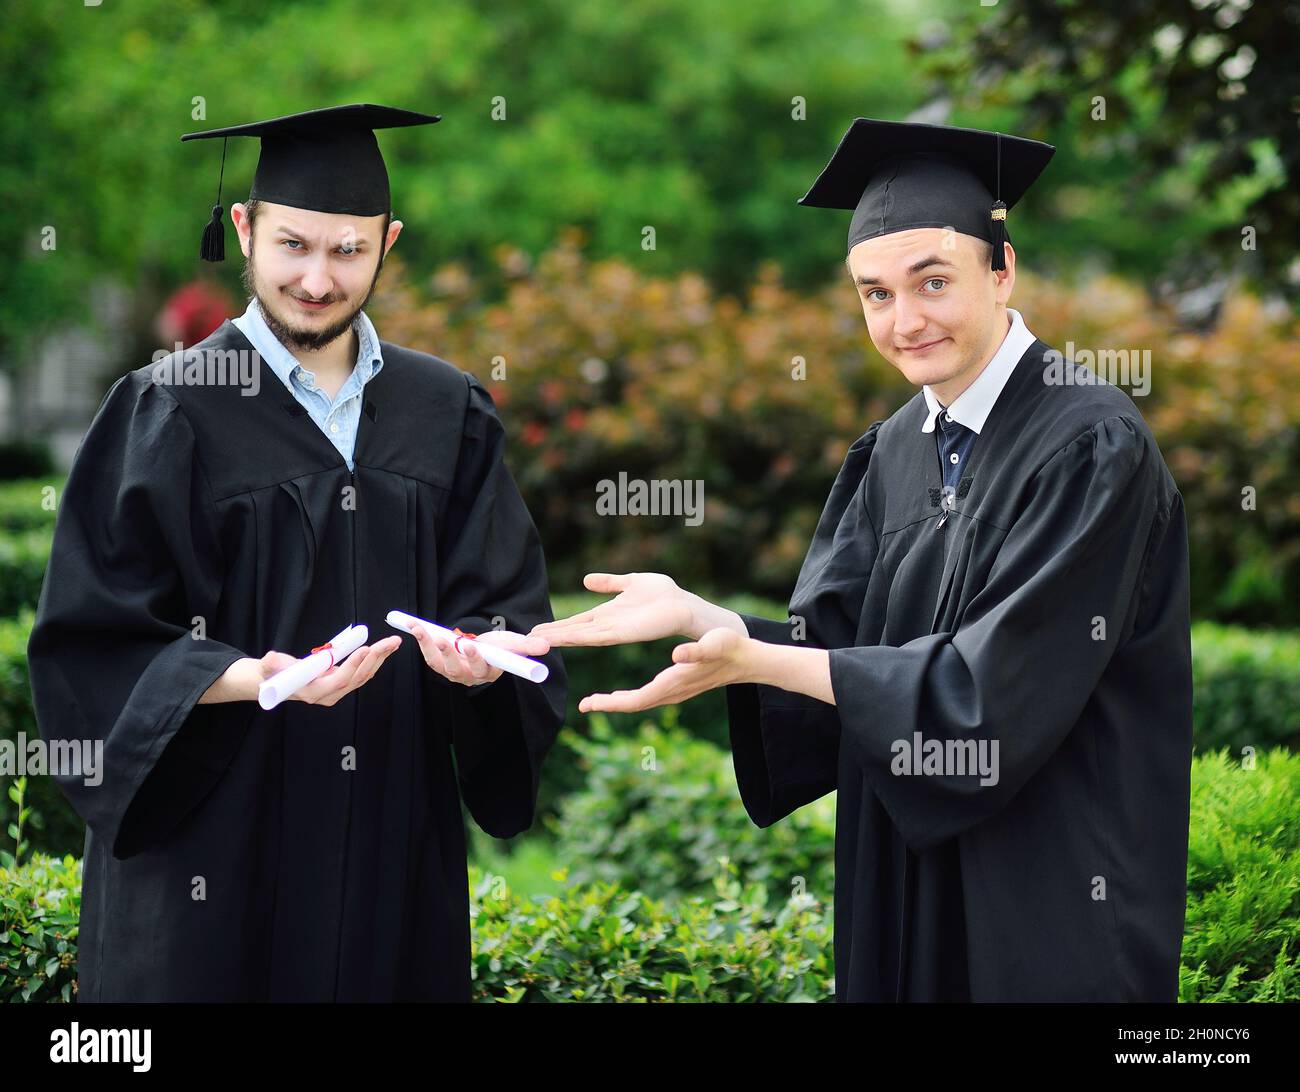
(703, 120)
(1200, 125)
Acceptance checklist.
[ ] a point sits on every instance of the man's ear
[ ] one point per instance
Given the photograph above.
(239, 217)
(1006, 278)
(394, 230)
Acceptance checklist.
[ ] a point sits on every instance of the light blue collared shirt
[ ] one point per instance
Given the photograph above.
(338, 419)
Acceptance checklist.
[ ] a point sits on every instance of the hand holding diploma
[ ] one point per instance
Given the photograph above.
(290, 679)
(244, 679)
(328, 673)
(474, 659)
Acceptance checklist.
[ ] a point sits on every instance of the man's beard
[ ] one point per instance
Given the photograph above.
(303, 340)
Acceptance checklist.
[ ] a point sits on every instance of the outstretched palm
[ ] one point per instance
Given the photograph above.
(715, 660)
(645, 607)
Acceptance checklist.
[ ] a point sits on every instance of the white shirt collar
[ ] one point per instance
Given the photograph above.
(972, 407)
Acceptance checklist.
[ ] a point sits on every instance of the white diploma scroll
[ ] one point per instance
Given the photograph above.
(284, 684)
(525, 668)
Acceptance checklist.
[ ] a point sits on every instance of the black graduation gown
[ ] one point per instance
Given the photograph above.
(1067, 879)
(326, 873)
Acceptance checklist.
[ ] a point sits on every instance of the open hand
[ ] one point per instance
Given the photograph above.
(645, 607)
(719, 658)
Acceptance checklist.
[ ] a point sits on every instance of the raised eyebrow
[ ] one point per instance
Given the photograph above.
(912, 270)
(358, 244)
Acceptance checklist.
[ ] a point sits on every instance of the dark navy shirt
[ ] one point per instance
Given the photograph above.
(955, 442)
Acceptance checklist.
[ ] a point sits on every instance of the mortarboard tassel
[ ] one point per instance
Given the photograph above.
(213, 246)
(999, 215)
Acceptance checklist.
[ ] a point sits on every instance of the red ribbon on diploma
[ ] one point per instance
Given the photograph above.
(328, 646)
(459, 634)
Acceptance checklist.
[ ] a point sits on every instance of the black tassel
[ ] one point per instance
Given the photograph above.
(999, 214)
(213, 247)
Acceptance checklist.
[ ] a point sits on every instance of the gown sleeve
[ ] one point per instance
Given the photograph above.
(491, 566)
(135, 572)
(1024, 660)
(785, 746)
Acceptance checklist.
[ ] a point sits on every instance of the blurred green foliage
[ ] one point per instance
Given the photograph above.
(679, 115)
(674, 114)
(599, 369)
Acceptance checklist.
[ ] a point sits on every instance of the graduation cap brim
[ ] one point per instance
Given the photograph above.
(869, 144)
(361, 115)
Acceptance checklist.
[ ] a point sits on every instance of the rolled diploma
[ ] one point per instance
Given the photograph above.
(522, 666)
(286, 683)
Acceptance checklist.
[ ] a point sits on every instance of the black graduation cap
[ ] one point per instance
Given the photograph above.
(325, 160)
(897, 175)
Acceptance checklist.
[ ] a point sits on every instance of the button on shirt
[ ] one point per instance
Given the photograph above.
(337, 419)
(956, 442)
(961, 422)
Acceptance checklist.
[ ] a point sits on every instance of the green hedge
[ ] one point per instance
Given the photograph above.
(1241, 939)
(729, 941)
(655, 828)
(40, 909)
(28, 503)
(595, 943)
(602, 942)
(23, 557)
(1246, 686)
(660, 807)
(54, 827)
(27, 515)
(1247, 693)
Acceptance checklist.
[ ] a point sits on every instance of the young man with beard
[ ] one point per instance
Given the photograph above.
(207, 536)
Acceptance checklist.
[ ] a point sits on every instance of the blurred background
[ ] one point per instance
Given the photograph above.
(609, 204)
